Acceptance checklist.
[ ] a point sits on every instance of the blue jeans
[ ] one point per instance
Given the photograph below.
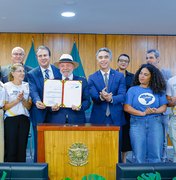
(165, 120)
(146, 136)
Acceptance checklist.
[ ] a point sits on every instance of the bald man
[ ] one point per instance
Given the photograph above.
(17, 56)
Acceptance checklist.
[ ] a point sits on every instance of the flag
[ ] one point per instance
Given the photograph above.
(79, 71)
(31, 59)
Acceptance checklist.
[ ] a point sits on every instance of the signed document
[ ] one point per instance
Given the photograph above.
(63, 93)
(52, 92)
(72, 93)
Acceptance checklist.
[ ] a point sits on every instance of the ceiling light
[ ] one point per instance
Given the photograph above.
(68, 14)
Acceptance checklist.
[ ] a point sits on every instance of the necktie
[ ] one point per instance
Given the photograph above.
(106, 79)
(46, 74)
(106, 84)
(66, 78)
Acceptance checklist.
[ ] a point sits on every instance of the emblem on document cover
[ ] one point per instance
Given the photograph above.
(78, 154)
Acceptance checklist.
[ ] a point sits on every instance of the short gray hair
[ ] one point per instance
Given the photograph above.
(42, 47)
(104, 49)
(18, 48)
(155, 52)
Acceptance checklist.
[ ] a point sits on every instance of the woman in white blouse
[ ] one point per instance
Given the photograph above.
(16, 115)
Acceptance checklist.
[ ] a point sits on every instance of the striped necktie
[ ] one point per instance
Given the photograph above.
(46, 74)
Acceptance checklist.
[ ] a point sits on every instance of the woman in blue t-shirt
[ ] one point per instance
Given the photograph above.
(146, 101)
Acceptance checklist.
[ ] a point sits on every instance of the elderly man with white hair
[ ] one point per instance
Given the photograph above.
(73, 115)
(17, 56)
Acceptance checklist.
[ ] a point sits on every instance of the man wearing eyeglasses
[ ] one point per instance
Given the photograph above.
(17, 56)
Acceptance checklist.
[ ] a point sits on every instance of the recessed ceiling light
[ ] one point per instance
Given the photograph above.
(68, 14)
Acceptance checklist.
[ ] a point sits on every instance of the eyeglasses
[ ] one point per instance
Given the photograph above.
(18, 54)
(123, 61)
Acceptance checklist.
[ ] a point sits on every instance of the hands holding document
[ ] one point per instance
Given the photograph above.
(66, 94)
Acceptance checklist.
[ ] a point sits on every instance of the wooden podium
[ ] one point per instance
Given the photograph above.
(95, 148)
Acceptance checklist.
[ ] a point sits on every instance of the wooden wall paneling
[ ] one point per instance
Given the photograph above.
(11, 40)
(5, 48)
(68, 40)
(152, 42)
(87, 45)
(139, 47)
(15, 40)
(8, 42)
(134, 45)
(119, 44)
(100, 42)
(54, 43)
(26, 41)
(59, 44)
(166, 46)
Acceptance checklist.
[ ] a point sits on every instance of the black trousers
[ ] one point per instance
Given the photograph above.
(16, 131)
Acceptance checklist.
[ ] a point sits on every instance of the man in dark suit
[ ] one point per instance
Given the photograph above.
(39, 112)
(17, 56)
(73, 115)
(107, 89)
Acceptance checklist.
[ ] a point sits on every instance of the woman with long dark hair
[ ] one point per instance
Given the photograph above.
(146, 101)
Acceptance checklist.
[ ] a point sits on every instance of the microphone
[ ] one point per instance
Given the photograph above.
(66, 119)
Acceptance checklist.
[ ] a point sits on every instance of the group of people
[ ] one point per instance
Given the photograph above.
(137, 103)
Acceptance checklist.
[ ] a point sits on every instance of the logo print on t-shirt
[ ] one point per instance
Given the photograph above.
(146, 99)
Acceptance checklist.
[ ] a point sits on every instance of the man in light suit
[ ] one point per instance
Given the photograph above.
(39, 112)
(107, 98)
(74, 115)
(17, 56)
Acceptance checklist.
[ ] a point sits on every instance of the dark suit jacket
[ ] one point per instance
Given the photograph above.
(129, 80)
(117, 86)
(67, 114)
(26, 69)
(36, 85)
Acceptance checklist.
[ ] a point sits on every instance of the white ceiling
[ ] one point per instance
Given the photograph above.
(92, 16)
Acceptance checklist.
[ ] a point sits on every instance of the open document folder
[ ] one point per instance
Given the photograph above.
(63, 93)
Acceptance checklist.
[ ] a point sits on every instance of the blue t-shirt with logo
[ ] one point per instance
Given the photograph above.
(141, 98)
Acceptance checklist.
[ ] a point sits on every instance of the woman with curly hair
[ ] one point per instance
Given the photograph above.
(146, 101)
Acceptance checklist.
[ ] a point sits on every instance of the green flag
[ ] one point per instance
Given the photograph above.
(79, 71)
(31, 59)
